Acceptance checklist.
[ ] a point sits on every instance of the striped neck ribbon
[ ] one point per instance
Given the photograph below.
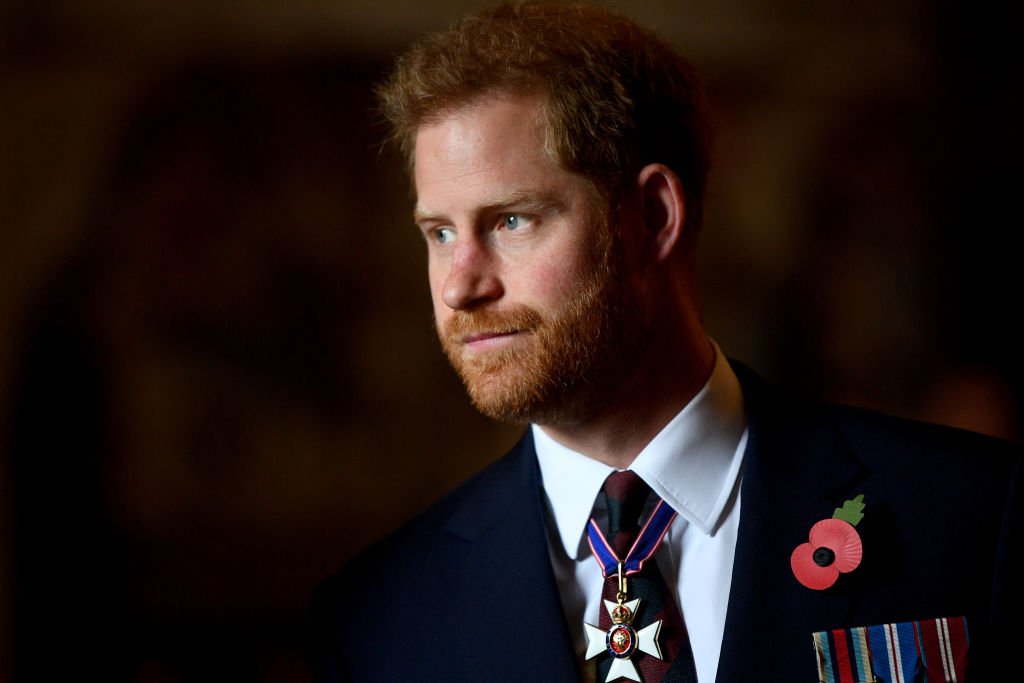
(644, 547)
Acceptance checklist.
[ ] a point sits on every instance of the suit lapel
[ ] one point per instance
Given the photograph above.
(504, 587)
(796, 471)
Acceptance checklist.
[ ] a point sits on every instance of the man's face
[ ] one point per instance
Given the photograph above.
(524, 272)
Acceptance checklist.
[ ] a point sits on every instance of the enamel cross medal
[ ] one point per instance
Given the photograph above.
(622, 640)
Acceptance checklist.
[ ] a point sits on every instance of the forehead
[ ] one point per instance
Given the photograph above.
(497, 121)
(494, 144)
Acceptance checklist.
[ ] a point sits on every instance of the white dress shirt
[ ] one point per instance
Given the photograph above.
(693, 464)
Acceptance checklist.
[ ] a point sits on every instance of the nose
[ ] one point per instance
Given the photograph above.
(472, 278)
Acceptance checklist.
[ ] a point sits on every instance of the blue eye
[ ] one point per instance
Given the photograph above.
(513, 221)
(444, 235)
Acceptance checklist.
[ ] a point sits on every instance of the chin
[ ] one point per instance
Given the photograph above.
(500, 397)
(514, 398)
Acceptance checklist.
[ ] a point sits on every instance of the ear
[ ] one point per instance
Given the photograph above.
(662, 206)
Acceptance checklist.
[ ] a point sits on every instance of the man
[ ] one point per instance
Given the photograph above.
(559, 155)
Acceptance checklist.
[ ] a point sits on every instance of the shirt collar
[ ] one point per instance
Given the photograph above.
(692, 463)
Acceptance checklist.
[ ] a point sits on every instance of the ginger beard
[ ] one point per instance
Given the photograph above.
(561, 374)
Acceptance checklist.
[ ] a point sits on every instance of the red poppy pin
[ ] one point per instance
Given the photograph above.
(834, 547)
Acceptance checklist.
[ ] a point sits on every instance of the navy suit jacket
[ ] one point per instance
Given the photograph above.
(465, 592)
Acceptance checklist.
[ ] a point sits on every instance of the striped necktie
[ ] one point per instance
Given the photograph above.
(626, 494)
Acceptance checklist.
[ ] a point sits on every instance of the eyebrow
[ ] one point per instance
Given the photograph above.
(535, 200)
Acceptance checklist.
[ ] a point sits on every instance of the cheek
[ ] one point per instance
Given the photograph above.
(553, 282)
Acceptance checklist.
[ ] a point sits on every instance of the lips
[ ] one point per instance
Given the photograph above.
(484, 336)
(484, 342)
(486, 329)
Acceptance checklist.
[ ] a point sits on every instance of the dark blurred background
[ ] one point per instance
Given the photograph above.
(218, 375)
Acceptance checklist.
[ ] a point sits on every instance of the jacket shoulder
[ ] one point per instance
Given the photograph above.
(871, 431)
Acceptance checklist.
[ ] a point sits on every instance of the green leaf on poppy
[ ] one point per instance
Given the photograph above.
(852, 510)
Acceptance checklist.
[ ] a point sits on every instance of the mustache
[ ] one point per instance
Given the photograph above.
(465, 324)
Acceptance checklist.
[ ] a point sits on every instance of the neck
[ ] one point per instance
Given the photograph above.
(671, 373)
